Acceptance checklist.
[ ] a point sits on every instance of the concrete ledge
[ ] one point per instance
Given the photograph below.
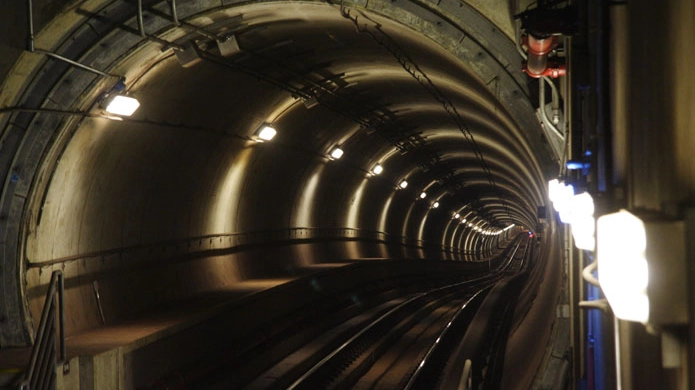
(137, 353)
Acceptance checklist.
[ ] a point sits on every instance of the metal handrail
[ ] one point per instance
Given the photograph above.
(41, 371)
(264, 237)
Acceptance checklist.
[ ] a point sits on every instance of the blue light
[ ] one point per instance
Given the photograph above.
(120, 86)
(571, 165)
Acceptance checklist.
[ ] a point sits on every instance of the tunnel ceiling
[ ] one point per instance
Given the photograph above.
(432, 95)
(432, 92)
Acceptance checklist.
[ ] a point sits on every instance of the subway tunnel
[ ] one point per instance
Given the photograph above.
(180, 200)
(183, 204)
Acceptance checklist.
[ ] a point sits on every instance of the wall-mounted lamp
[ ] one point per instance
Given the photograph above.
(403, 184)
(642, 268)
(435, 205)
(336, 153)
(377, 169)
(581, 217)
(122, 105)
(560, 194)
(457, 216)
(423, 195)
(576, 210)
(264, 133)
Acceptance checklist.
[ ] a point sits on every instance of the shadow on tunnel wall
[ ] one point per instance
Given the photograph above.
(157, 277)
(178, 200)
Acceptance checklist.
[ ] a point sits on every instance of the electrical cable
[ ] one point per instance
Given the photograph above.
(384, 40)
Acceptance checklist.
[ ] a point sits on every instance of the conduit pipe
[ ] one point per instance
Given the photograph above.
(519, 38)
(174, 14)
(141, 23)
(32, 49)
(76, 64)
(536, 64)
(538, 50)
(588, 276)
(555, 102)
(544, 117)
(30, 22)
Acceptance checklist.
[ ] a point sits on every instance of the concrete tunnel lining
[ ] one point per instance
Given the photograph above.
(105, 181)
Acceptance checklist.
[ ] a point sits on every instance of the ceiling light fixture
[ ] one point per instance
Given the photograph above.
(403, 184)
(377, 169)
(435, 205)
(336, 153)
(265, 133)
(423, 195)
(122, 105)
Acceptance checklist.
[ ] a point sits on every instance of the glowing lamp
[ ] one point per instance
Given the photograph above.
(641, 268)
(377, 169)
(580, 214)
(423, 195)
(122, 105)
(575, 165)
(403, 184)
(561, 195)
(435, 205)
(336, 153)
(265, 133)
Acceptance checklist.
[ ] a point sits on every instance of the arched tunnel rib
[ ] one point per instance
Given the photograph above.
(179, 200)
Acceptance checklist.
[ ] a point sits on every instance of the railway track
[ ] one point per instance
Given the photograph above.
(402, 342)
(386, 353)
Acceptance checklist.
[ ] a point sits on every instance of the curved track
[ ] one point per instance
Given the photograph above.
(400, 342)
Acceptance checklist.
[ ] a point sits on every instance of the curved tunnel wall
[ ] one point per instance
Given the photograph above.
(177, 200)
